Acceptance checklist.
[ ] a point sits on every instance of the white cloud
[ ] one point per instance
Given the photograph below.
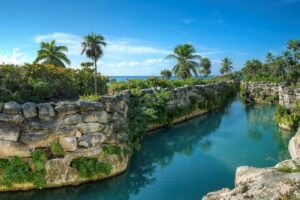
(17, 57)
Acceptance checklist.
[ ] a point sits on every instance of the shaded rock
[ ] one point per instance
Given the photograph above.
(92, 139)
(86, 105)
(73, 119)
(66, 108)
(68, 143)
(92, 116)
(9, 132)
(103, 118)
(12, 107)
(46, 111)
(90, 127)
(29, 110)
(58, 171)
(11, 118)
(9, 149)
(1, 106)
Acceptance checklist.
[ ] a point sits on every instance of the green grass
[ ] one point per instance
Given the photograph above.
(56, 149)
(112, 150)
(287, 169)
(90, 167)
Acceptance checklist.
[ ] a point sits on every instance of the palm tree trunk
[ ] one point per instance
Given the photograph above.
(95, 83)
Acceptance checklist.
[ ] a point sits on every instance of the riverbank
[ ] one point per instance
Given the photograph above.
(279, 182)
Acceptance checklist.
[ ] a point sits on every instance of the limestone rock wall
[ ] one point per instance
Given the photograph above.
(262, 92)
(82, 128)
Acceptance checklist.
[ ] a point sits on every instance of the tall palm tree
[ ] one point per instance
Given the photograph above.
(205, 66)
(186, 61)
(52, 54)
(269, 58)
(226, 66)
(294, 45)
(92, 48)
(166, 74)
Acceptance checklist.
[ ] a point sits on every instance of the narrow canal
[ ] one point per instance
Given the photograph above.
(187, 160)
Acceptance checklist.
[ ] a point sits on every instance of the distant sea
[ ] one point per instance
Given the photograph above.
(124, 78)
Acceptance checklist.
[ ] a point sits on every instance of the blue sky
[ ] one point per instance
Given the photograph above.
(140, 33)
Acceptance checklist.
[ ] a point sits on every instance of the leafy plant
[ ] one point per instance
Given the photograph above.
(39, 158)
(56, 148)
(90, 167)
(90, 97)
(112, 150)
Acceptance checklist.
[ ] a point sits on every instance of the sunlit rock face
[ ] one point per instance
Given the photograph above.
(262, 183)
(82, 128)
(294, 145)
(264, 92)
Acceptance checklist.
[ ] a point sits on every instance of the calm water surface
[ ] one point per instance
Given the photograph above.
(188, 160)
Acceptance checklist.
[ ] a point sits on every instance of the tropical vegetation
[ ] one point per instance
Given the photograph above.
(92, 47)
(226, 66)
(52, 54)
(186, 58)
(205, 66)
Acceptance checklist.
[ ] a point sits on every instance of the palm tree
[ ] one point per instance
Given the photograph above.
(205, 65)
(52, 54)
(269, 58)
(166, 74)
(226, 66)
(92, 47)
(294, 45)
(186, 64)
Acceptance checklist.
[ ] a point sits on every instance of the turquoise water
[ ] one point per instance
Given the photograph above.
(187, 160)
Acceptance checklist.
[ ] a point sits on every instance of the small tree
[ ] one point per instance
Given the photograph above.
(166, 74)
(226, 66)
(205, 66)
(92, 48)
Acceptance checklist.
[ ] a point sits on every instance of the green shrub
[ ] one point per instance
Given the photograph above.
(298, 105)
(39, 158)
(112, 150)
(16, 171)
(40, 83)
(56, 149)
(90, 97)
(3, 163)
(90, 167)
(152, 82)
(284, 116)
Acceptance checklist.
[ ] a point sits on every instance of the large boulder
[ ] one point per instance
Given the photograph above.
(68, 143)
(66, 108)
(13, 118)
(29, 110)
(12, 107)
(97, 116)
(86, 105)
(10, 149)
(74, 119)
(92, 139)
(260, 183)
(46, 111)
(90, 127)
(9, 132)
